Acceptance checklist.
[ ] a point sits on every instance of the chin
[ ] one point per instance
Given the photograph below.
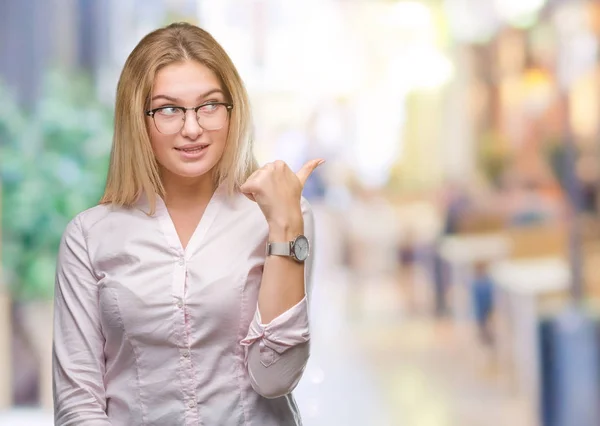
(188, 168)
(195, 171)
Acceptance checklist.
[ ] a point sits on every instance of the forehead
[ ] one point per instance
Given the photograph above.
(185, 79)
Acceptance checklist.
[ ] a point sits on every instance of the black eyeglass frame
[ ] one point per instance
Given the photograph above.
(152, 112)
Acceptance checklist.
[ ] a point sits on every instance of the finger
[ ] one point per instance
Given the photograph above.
(255, 173)
(250, 187)
(245, 189)
(307, 169)
(279, 164)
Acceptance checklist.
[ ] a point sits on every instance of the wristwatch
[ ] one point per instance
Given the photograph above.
(298, 249)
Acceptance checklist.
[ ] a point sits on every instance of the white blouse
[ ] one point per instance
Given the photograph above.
(147, 333)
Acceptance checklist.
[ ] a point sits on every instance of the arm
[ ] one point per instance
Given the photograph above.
(77, 351)
(278, 343)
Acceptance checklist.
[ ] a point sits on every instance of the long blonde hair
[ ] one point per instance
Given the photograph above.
(133, 169)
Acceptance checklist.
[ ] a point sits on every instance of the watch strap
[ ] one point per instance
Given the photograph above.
(279, 249)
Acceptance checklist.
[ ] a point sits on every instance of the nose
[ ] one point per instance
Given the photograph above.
(191, 129)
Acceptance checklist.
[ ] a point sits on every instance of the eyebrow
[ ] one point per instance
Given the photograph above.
(172, 99)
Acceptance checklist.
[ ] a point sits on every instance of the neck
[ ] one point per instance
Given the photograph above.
(185, 193)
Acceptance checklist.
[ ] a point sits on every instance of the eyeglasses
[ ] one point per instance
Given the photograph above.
(169, 120)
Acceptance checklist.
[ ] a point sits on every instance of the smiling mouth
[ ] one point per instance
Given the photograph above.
(190, 149)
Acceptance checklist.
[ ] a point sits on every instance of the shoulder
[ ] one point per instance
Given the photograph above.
(74, 237)
(84, 222)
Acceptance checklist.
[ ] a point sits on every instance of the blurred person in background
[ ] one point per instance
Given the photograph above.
(455, 203)
(168, 308)
(482, 293)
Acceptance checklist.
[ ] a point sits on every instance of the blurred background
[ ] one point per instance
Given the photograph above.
(457, 213)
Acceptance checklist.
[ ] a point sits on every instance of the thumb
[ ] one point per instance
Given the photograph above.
(307, 169)
(245, 189)
(249, 196)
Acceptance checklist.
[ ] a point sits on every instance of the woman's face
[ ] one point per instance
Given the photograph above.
(192, 151)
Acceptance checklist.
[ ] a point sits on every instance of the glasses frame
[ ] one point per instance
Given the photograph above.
(152, 113)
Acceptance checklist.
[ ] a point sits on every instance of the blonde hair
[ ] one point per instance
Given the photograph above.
(133, 168)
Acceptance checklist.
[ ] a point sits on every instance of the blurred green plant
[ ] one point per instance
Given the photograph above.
(53, 163)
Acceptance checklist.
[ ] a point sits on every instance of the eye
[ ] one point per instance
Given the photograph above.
(169, 111)
(209, 107)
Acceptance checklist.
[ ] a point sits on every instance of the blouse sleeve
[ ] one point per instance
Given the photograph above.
(77, 352)
(276, 353)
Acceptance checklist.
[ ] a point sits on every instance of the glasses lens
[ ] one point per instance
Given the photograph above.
(212, 116)
(169, 121)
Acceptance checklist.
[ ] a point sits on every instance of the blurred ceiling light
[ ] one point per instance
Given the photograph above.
(409, 15)
(420, 67)
(471, 20)
(521, 13)
(380, 117)
(576, 42)
(571, 18)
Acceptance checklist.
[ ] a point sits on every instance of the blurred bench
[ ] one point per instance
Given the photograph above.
(530, 268)
(524, 288)
(535, 275)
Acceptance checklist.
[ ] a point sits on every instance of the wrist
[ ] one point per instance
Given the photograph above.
(285, 230)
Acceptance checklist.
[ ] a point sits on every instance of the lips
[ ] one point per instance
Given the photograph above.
(191, 148)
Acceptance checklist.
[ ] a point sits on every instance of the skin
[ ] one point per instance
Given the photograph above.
(189, 185)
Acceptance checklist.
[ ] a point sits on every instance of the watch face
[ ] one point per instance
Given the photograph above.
(301, 248)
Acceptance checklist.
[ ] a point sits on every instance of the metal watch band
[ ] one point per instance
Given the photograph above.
(279, 249)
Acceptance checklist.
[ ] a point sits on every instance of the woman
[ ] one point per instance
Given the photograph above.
(169, 309)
